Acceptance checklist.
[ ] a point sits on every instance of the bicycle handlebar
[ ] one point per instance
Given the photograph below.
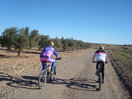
(58, 58)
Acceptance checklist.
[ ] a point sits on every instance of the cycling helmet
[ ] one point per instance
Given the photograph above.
(101, 47)
(51, 43)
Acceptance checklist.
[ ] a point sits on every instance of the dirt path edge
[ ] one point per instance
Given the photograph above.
(123, 80)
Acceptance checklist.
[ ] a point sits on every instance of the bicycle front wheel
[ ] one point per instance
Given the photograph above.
(42, 79)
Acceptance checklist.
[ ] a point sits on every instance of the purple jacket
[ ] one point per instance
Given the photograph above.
(47, 52)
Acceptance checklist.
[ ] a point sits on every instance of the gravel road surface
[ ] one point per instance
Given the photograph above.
(75, 79)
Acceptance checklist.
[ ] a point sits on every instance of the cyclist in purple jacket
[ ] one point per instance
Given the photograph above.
(45, 56)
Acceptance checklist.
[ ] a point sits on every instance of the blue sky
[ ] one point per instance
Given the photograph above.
(95, 21)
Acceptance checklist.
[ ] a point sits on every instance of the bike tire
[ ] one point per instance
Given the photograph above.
(42, 75)
(100, 80)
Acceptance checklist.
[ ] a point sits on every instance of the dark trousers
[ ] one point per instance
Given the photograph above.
(102, 69)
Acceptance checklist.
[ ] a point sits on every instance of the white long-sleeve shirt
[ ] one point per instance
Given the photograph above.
(100, 55)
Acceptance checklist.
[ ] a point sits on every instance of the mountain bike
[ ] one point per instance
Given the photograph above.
(46, 75)
(99, 73)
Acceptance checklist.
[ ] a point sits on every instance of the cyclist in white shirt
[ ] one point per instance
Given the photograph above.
(100, 56)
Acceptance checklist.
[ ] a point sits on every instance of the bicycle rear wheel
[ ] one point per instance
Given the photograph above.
(42, 79)
(100, 80)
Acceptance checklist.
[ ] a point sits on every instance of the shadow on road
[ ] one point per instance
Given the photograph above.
(4, 56)
(31, 82)
(84, 84)
(26, 82)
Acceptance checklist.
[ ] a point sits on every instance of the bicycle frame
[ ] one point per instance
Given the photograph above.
(47, 75)
(48, 66)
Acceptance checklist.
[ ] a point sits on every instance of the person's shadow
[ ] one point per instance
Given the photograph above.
(27, 82)
(84, 84)
(31, 82)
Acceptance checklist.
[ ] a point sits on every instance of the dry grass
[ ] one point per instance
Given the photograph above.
(122, 58)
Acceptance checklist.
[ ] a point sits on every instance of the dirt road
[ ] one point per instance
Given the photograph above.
(75, 80)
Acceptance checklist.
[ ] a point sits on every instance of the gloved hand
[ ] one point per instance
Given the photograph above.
(59, 58)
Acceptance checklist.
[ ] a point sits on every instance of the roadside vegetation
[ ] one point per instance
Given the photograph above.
(121, 59)
(19, 39)
(28, 44)
(126, 57)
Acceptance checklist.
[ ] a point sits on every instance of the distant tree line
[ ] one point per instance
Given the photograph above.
(20, 39)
